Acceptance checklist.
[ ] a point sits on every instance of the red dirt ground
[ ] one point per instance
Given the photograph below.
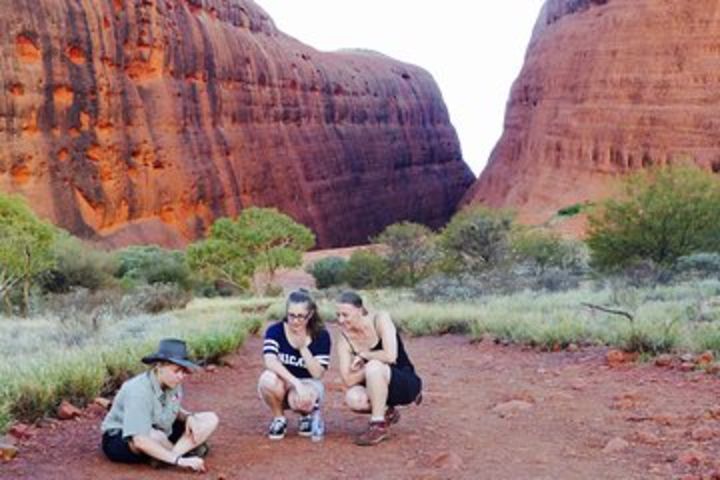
(576, 406)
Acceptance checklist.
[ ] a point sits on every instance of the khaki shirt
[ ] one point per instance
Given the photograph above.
(142, 405)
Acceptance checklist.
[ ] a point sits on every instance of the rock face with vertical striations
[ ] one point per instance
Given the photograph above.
(131, 121)
(608, 87)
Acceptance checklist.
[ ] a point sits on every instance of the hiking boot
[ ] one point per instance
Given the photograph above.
(305, 426)
(392, 416)
(277, 429)
(201, 451)
(376, 433)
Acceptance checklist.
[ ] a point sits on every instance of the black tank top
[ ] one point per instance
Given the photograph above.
(402, 360)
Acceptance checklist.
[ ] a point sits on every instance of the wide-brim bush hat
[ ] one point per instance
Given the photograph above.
(171, 350)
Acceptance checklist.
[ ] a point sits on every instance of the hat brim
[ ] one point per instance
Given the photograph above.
(154, 358)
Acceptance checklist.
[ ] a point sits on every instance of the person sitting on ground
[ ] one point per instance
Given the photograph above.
(296, 353)
(146, 421)
(374, 366)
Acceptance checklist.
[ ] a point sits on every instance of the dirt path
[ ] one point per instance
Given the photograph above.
(574, 406)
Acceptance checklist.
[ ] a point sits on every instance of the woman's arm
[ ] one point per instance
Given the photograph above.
(273, 363)
(388, 334)
(349, 376)
(311, 363)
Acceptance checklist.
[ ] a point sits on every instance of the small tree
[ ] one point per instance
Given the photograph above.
(260, 238)
(218, 259)
(411, 251)
(476, 238)
(662, 215)
(274, 239)
(25, 247)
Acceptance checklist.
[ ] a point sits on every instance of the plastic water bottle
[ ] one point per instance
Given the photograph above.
(318, 426)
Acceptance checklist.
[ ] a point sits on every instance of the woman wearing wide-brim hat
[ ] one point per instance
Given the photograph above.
(146, 421)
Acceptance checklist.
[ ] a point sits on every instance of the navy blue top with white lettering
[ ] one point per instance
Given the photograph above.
(276, 343)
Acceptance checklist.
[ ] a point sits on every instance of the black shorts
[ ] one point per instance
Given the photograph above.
(116, 447)
(404, 386)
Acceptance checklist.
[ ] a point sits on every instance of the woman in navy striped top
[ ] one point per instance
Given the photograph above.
(296, 354)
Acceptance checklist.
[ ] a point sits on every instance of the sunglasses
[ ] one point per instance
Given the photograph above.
(298, 316)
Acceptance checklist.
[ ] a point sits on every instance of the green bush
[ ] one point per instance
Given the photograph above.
(328, 271)
(411, 252)
(544, 249)
(152, 264)
(662, 215)
(699, 265)
(78, 264)
(476, 239)
(366, 269)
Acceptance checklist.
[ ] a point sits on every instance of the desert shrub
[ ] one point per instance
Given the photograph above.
(274, 290)
(545, 249)
(328, 271)
(152, 264)
(661, 215)
(366, 269)
(78, 265)
(446, 288)
(411, 252)
(699, 265)
(158, 297)
(476, 238)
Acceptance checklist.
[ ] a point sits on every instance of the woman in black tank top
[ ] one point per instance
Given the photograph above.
(374, 366)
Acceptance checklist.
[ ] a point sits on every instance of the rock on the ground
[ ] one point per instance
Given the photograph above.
(692, 457)
(664, 360)
(510, 408)
(447, 461)
(616, 358)
(102, 402)
(68, 411)
(703, 434)
(617, 444)
(643, 436)
(8, 451)
(21, 431)
(705, 359)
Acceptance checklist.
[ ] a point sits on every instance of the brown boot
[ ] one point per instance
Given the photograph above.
(376, 433)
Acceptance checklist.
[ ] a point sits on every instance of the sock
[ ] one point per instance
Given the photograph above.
(377, 419)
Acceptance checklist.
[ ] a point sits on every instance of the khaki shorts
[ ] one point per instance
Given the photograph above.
(312, 382)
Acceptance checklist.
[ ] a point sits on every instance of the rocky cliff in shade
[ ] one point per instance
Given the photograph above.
(608, 87)
(134, 121)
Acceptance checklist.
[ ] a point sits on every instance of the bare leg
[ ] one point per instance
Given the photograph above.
(357, 399)
(156, 435)
(377, 380)
(205, 423)
(272, 390)
(304, 408)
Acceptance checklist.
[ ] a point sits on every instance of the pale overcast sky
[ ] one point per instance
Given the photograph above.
(473, 49)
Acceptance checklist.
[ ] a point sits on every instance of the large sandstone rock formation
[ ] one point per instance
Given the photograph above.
(143, 120)
(608, 86)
